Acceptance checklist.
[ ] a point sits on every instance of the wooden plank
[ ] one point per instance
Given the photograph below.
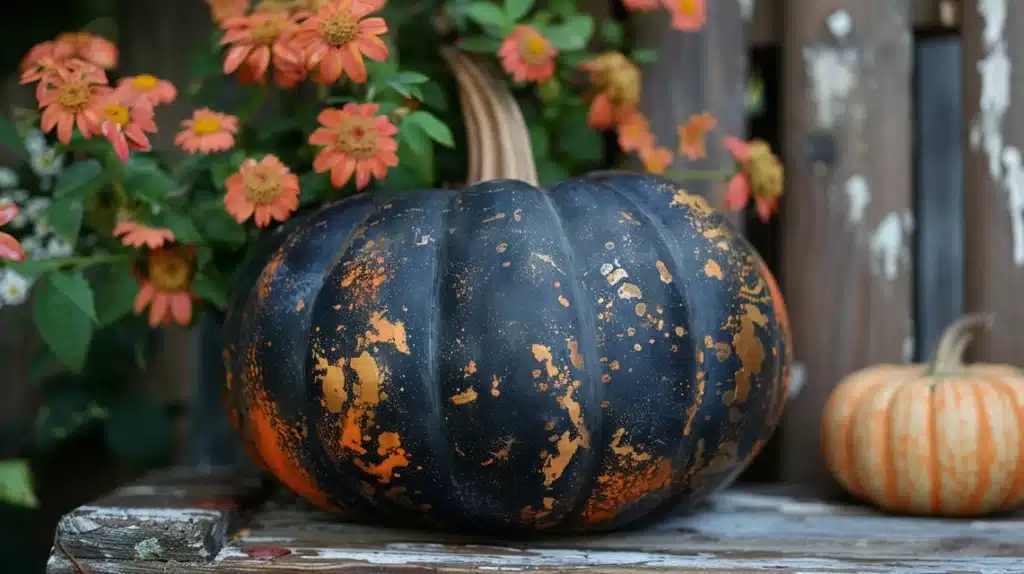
(694, 73)
(847, 220)
(740, 530)
(940, 193)
(174, 515)
(993, 36)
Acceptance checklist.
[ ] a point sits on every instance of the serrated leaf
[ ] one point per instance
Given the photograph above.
(573, 34)
(16, 483)
(10, 137)
(145, 181)
(78, 179)
(487, 15)
(114, 288)
(64, 316)
(64, 217)
(516, 9)
(432, 126)
(185, 231)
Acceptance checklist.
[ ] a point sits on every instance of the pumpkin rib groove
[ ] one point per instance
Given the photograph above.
(687, 307)
(439, 436)
(934, 463)
(1018, 469)
(373, 207)
(890, 482)
(595, 457)
(986, 451)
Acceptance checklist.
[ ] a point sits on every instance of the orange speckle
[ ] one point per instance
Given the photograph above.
(663, 273)
(467, 396)
(574, 353)
(640, 309)
(558, 284)
(390, 447)
(625, 449)
(501, 247)
(629, 291)
(711, 269)
(469, 369)
(614, 365)
(563, 301)
(568, 443)
(680, 331)
(332, 381)
(300, 306)
(691, 411)
(750, 351)
(606, 378)
(366, 396)
(386, 332)
(500, 454)
(543, 355)
(637, 347)
(495, 383)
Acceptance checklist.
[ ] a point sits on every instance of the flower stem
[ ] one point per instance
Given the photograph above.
(82, 261)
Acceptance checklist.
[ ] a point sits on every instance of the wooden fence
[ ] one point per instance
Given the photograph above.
(883, 111)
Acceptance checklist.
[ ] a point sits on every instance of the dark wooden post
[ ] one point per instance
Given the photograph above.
(694, 73)
(994, 174)
(847, 223)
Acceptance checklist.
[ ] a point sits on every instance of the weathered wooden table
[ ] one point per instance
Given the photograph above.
(176, 521)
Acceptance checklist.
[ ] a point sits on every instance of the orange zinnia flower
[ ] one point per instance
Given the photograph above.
(166, 286)
(634, 133)
(73, 96)
(9, 246)
(527, 55)
(256, 41)
(207, 132)
(691, 135)
(760, 176)
(221, 10)
(35, 53)
(356, 141)
(656, 159)
(126, 124)
(687, 15)
(85, 46)
(337, 37)
(264, 190)
(152, 88)
(137, 235)
(617, 81)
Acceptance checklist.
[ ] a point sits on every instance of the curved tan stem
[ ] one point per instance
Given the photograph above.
(958, 335)
(496, 132)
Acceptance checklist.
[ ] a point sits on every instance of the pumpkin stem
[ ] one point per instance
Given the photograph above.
(949, 353)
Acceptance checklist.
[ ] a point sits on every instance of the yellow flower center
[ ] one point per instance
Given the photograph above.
(261, 184)
(764, 170)
(534, 49)
(144, 82)
(339, 28)
(267, 30)
(169, 270)
(77, 40)
(687, 7)
(75, 96)
(205, 126)
(618, 77)
(358, 138)
(117, 113)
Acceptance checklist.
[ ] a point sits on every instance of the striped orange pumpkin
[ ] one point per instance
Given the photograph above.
(945, 439)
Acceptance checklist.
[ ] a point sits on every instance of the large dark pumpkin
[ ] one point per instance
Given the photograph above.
(505, 358)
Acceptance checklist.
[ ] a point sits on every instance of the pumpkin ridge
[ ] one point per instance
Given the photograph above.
(687, 307)
(935, 466)
(890, 482)
(986, 452)
(1018, 470)
(591, 365)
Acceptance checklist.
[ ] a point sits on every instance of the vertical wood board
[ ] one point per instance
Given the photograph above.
(847, 221)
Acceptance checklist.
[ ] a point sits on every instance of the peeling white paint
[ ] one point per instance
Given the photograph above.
(746, 9)
(994, 69)
(858, 196)
(840, 23)
(1013, 182)
(890, 254)
(833, 75)
(797, 378)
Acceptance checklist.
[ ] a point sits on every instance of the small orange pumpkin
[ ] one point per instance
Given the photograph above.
(944, 439)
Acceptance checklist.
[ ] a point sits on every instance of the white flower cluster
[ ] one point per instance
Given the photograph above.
(30, 226)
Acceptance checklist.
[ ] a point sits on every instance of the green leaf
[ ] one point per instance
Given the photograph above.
(549, 172)
(16, 483)
(313, 187)
(79, 179)
(68, 412)
(612, 32)
(479, 44)
(115, 288)
(573, 34)
(644, 56)
(215, 224)
(578, 141)
(487, 15)
(137, 430)
(10, 137)
(516, 9)
(415, 137)
(184, 229)
(146, 181)
(210, 289)
(539, 141)
(64, 316)
(65, 218)
(432, 126)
